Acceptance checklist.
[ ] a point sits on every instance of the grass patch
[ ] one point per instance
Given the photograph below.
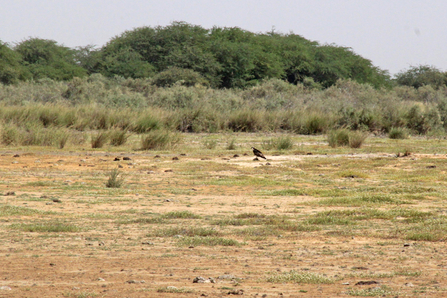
(10, 210)
(172, 289)
(361, 201)
(207, 241)
(48, 227)
(279, 143)
(284, 192)
(159, 140)
(180, 214)
(429, 230)
(294, 276)
(381, 291)
(184, 231)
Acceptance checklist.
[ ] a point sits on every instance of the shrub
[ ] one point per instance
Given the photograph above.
(185, 77)
(99, 139)
(338, 137)
(231, 144)
(114, 181)
(159, 139)
(10, 135)
(279, 143)
(118, 137)
(247, 120)
(398, 133)
(356, 139)
(146, 123)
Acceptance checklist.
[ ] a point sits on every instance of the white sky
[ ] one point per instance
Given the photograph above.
(393, 34)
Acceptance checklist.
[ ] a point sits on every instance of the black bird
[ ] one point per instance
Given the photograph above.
(258, 153)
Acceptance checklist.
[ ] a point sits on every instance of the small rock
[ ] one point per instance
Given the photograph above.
(169, 171)
(157, 156)
(57, 200)
(409, 284)
(175, 158)
(309, 153)
(132, 281)
(126, 158)
(431, 167)
(345, 283)
(267, 164)
(168, 200)
(117, 159)
(239, 292)
(199, 279)
(16, 155)
(75, 288)
(52, 264)
(151, 172)
(255, 158)
(182, 154)
(10, 193)
(101, 279)
(406, 244)
(147, 243)
(120, 166)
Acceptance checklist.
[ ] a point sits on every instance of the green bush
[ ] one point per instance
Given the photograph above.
(118, 137)
(398, 133)
(338, 137)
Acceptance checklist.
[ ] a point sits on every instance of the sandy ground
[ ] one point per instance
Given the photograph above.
(109, 258)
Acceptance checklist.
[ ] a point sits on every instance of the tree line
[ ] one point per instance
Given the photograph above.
(188, 54)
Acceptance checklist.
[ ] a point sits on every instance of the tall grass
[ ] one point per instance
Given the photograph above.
(159, 140)
(137, 105)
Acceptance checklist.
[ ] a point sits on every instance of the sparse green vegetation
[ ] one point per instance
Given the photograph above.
(294, 276)
(49, 227)
(114, 180)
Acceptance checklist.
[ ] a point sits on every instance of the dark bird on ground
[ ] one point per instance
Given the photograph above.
(258, 153)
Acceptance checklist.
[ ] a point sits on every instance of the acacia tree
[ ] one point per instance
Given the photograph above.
(418, 76)
(11, 70)
(46, 59)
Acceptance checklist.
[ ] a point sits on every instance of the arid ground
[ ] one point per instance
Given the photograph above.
(312, 221)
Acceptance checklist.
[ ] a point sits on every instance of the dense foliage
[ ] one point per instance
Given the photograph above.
(216, 57)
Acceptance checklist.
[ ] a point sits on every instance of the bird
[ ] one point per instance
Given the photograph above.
(258, 153)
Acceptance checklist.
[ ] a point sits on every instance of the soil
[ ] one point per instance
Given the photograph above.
(111, 258)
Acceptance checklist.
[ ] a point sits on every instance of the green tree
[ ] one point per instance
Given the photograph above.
(418, 76)
(11, 69)
(46, 59)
